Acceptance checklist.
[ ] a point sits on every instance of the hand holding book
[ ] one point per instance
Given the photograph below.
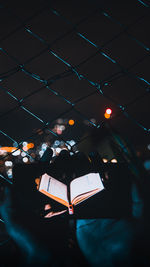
(81, 188)
(68, 172)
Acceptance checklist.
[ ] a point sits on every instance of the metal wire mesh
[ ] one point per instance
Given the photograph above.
(57, 64)
(67, 60)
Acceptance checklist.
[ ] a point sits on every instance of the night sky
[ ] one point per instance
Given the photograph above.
(72, 60)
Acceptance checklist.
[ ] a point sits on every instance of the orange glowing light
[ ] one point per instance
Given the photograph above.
(7, 149)
(108, 113)
(107, 116)
(10, 149)
(71, 122)
(28, 146)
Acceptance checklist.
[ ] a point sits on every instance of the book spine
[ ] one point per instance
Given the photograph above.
(70, 209)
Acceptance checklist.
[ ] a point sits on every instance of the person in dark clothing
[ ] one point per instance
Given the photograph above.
(109, 229)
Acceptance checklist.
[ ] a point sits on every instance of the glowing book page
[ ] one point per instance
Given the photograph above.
(54, 189)
(85, 186)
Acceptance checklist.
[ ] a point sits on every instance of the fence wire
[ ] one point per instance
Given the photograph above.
(72, 70)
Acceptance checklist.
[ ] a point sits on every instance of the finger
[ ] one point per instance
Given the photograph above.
(47, 207)
(52, 214)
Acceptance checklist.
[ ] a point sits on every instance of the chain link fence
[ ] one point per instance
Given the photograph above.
(62, 65)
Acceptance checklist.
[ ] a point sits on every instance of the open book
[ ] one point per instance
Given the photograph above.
(81, 188)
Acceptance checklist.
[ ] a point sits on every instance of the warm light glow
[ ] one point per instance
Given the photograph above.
(113, 160)
(109, 111)
(16, 152)
(28, 146)
(8, 149)
(71, 122)
(8, 163)
(106, 115)
(25, 159)
(57, 129)
(23, 154)
(104, 160)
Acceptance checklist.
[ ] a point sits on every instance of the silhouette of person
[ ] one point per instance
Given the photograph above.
(111, 229)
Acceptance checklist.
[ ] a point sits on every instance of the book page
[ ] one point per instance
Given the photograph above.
(85, 184)
(84, 196)
(54, 189)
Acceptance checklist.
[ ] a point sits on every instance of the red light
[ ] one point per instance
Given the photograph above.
(109, 111)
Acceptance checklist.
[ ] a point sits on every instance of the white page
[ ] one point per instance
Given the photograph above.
(53, 187)
(85, 184)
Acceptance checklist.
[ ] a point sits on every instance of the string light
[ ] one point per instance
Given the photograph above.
(8, 163)
(108, 113)
(16, 153)
(71, 122)
(27, 146)
(25, 159)
(113, 160)
(37, 77)
(23, 154)
(104, 160)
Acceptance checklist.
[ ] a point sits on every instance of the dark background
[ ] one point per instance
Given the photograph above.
(72, 60)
